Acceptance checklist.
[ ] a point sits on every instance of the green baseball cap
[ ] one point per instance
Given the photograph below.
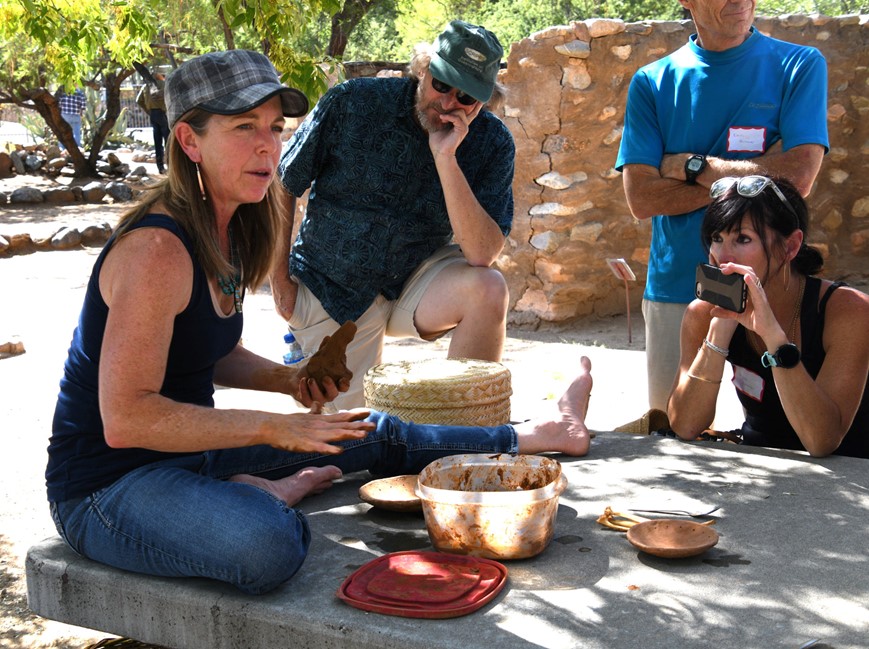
(467, 57)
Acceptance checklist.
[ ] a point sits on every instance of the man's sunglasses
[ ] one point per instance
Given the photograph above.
(749, 187)
(462, 97)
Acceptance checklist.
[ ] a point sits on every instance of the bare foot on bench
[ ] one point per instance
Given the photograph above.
(566, 432)
(292, 489)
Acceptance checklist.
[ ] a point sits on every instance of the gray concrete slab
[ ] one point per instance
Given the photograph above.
(790, 566)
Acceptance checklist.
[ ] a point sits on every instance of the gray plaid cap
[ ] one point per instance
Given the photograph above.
(228, 83)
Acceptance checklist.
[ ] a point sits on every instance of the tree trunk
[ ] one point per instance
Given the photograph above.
(44, 103)
(112, 84)
(47, 106)
(345, 21)
(228, 36)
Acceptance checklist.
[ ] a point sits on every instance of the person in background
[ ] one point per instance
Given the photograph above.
(410, 204)
(151, 100)
(144, 473)
(71, 109)
(730, 102)
(799, 351)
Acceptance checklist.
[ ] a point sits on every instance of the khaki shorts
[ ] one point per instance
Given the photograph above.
(394, 318)
(663, 336)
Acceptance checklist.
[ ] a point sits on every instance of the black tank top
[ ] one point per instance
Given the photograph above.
(765, 421)
(79, 460)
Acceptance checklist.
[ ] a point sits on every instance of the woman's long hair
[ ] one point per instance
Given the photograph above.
(254, 227)
(768, 214)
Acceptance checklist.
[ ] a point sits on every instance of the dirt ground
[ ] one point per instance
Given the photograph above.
(43, 294)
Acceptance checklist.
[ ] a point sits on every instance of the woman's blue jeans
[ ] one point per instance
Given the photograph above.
(182, 518)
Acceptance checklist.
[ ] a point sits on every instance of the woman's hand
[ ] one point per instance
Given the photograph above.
(758, 316)
(308, 392)
(312, 432)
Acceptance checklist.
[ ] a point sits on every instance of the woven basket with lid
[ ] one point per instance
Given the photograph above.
(454, 391)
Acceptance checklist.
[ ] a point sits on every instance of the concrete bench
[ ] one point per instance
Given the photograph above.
(205, 614)
(783, 515)
(193, 613)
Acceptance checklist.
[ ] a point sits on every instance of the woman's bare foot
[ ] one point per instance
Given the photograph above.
(567, 432)
(305, 482)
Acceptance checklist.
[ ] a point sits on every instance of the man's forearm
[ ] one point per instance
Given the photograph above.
(653, 191)
(478, 235)
(283, 288)
(284, 242)
(649, 193)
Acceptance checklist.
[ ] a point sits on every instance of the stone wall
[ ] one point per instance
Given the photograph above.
(567, 87)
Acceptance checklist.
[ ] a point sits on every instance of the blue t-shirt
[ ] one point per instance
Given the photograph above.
(79, 460)
(733, 104)
(376, 209)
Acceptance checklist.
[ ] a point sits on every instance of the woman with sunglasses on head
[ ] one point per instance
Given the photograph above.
(800, 349)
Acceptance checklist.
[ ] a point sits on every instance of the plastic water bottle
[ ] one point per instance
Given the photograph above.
(294, 350)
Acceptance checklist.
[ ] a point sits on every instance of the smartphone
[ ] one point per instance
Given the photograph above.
(726, 291)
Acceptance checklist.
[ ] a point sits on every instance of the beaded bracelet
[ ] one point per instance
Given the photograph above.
(700, 378)
(716, 348)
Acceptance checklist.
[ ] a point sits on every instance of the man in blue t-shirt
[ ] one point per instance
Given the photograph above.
(730, 102)
(410, 203)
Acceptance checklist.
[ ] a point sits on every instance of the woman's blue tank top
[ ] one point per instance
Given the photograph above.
(79, 460)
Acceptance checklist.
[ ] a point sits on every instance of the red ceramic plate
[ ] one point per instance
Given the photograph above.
(424, 584)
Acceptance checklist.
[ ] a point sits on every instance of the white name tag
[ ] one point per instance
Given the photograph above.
(745, 139)
(748, 382)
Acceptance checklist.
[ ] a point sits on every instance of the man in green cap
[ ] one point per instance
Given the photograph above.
(410, 204)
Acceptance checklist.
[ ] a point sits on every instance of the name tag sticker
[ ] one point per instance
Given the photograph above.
(746, 139)
(748, 382)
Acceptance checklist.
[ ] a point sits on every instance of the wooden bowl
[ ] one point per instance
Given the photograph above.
(672, 538)
(397, 493)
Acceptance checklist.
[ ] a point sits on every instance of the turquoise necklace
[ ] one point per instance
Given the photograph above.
(231, 284)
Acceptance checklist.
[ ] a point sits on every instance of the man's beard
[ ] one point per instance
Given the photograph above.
(423, 119)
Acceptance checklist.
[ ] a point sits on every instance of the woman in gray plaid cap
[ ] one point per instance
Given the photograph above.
(144, 473)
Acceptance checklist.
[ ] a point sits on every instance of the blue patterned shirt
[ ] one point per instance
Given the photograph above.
(73, 104)
(376, 209)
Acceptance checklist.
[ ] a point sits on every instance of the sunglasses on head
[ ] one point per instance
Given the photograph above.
(462, 97)
(749, 187)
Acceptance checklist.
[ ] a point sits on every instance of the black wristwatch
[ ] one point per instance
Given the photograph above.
(786, 356)
(694, 166)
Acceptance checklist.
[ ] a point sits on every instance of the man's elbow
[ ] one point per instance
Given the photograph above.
(804, 167)
(639, 209)
(804, 185)
(641, 214)
(486, 253)
(480, 260)
(638, 183)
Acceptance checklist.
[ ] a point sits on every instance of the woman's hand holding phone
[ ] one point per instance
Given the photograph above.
(726, 290)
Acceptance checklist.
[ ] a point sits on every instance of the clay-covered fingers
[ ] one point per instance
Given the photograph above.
(328, 366)
(310, 391)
